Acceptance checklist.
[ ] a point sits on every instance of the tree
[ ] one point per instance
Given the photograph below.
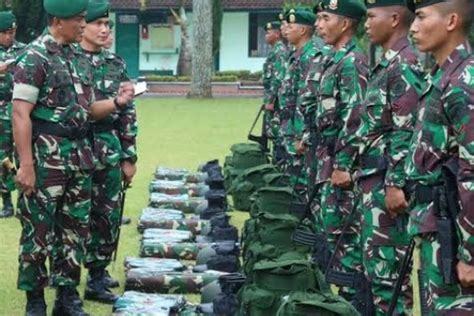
(184, 59)
(217, 14)
(31, 19)
(201, 85)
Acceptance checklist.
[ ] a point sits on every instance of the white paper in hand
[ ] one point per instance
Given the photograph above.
(140, 88)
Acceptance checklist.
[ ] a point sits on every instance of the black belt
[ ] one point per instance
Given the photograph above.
(104, 127)
(425, 193)
(368, 162)
(57, 129)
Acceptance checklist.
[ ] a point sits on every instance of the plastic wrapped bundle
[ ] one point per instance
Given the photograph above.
(137, 303)
(195, 225)
(168, 235)
(179, 202)
(147, 280)
(172, 250)
(178, 188)
(163, 173)
(163, 265)
(151, 215)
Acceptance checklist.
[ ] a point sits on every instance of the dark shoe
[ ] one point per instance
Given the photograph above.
(96, 288)
(68, 302)
(126, 220)
(110, 282)
(35, 304)
(7, 210)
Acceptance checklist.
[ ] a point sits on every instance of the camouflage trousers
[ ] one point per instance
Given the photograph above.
(7, 181)
(442, 299)
(105, 216)
(384, 243)
(336, 205)
(55, 224)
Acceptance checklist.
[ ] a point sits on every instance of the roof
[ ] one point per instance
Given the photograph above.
(228, 4)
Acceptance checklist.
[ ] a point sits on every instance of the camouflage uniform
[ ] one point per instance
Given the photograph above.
(342, 88)
(444, 133)
(55, 219)
(273, 73)
(294, 86)
(7, 183)
(387, 119)
(114, 140)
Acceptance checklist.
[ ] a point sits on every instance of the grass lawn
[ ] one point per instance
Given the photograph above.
(173, 132)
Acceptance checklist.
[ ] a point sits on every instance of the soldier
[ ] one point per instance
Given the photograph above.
(388, 116)
(10, 49)
(114, 148)
(342, 88)
(53, 102)
(272, 78)
(440, 159)
(300, 33)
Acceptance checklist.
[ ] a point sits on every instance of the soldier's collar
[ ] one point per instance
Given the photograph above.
(341, 53)
(456, 58)
(401, 44)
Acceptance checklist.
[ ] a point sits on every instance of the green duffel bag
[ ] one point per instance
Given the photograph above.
(247, 183)
(247, 155)
(278, 229)
(289, 272)
(274, 200)
(258, 302)
(256, 252)
(248, 234)
(277, 180)
(304, 303)
(230, 176)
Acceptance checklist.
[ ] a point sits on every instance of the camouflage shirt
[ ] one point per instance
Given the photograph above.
(6, 80)
(49, 77)
(342, 89)
(273, 71)
(388, 114)
(109, 70)
(444, 132)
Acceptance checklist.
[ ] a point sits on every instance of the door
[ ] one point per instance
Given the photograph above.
(127, 42)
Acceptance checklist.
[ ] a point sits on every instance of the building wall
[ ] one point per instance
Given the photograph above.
(234, 53)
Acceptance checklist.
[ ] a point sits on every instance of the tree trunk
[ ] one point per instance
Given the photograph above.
(201, 85)
(184, 60)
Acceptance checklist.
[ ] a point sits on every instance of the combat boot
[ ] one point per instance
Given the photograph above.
(96, 288)
(109, 281)
(35, 303)
(7, 210)
(68, 302)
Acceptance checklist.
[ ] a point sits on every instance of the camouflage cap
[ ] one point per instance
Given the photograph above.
(424, 3)
(275, 25)
(7, 21)
(64, 9)
(301, 16)
(384, 3)
(350, 8)
(97, 10)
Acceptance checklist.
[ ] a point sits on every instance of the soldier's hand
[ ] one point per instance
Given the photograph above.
(395, 201)
(26, 179)
(341, 179)
(465, 274)
(128, 170)
(300, 148)
(3, 68)
(125, 94)
(270, 107)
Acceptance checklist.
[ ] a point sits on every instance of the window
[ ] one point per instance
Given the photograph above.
(257, 45)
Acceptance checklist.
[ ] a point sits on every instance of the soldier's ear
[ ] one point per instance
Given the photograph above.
(396, 19)
(453, 22)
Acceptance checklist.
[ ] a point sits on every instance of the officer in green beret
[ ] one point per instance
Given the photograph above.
(441, 163)
(273, 72)
(114, 148)
(10, 50)
(300, 34)
(341, 88)
(53, 103)
(377, 154)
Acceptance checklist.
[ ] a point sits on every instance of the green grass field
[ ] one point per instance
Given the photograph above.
(173, 132)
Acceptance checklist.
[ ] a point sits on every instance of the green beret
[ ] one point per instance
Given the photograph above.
(350, 8)
(65, 9)
(384, 3)
(301, 16)
(7, 21)
(96, 10)
(424, 3)
(275, 25)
